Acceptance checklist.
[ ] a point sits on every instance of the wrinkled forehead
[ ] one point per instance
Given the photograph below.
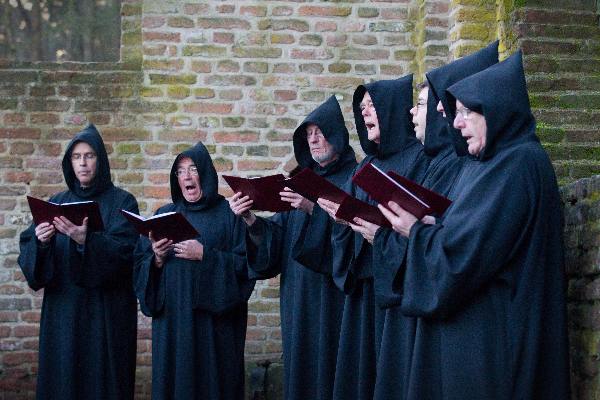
(185, 162)
(312, 128)
(82, 148)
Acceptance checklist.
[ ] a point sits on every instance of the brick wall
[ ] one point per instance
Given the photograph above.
(240, 76)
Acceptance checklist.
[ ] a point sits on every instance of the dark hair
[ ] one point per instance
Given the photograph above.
(423, 85)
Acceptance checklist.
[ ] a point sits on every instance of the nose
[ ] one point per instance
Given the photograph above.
(459, 121)
(413, 111)
(440, 107)
(312, 138)
(365, 111)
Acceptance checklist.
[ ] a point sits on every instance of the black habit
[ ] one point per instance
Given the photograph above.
(89, 313)
(296, 245)
(362, 322)
(198, 308)
(489, 281)
(395, 370)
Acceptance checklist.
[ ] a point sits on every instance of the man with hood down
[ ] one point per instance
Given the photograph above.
(311, 305)
(399, 371)
(89, 314)
(381, 114)
(196, 291)
(490, 280)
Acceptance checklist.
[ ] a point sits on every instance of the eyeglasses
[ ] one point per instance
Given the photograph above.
(421, 103)
(193, 171)
(86, 156)
(368, 104)
(463, 112)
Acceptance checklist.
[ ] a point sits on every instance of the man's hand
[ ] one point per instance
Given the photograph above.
(365, 228)
(331, 208)
(189, 250)
(161, 249)
(296, 200)
(45, 232)
(401, 220)
(241, 205)
(75, 232)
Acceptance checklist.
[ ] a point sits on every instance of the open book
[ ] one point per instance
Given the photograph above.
(411, 196)
(312, 186)
(264, 191)
(171, 225)
(352, 207)
(46, 211)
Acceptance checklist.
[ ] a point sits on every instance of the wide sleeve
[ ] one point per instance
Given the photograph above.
(265, 248)
(35, 259)
(450, 262)
(389, 264)
(148, 280)
(313, 248)
(221, 278)
(106, 258)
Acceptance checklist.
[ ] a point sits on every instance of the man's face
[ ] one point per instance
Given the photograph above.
(189, 181)
(472, 126)
(84, 160)
(320, 149)
(419, 114)
(440, 108)
(370, 117)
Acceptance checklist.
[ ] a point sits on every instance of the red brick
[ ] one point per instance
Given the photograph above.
(157, 192)
(162, 36)
(236, 137)
(10, 289)
(45, 118)
(223, 23)
(19, 357)
(153, 21)
(285, 95)
(223, 37)
(14, 119)
(326, 26)
(31, 316)
(21, 148)
(255, 165)
(19, 133)
(50, 149)
(208, 108)
(318, 11)
(26, 331)
(253, 11)
(192, 9)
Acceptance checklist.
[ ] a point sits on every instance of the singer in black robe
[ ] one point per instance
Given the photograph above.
(397, 150)
(198, 307)
(397, 370)
(88, 325)
(490, 279)
(296, 245)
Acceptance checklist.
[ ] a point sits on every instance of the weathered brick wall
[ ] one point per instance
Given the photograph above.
(240, 76)
(582, 240)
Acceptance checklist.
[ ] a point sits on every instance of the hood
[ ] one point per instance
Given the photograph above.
(392, 100)
(499, 93)
(102, 181)
(329, 118)
(445, 76)
(208, 178)
(437, 136)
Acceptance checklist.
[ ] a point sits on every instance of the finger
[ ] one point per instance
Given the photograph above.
(85, 222)
(394, 207)
(387, 213)
(151, 237)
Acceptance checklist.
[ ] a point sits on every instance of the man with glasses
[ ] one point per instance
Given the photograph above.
(196, 291)
(88, 325)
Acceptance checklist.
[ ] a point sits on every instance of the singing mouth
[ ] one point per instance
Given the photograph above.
(190, 187)
(369, 125)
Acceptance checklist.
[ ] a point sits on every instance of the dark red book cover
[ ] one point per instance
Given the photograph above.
(351, 207)
(411, 196)
(264, 191)
(312, 186)
(171, 225)
(46, 211)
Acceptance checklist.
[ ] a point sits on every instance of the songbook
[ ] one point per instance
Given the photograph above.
(352, 207)
(170, 225)
(411, 196)
(46, 211)
(264, 191)
(313, 186)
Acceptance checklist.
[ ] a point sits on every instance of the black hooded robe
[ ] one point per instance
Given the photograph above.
(490, 280)
(310, 303)
(362, 322)
(198, 308)
(403, 335)
(88, 325)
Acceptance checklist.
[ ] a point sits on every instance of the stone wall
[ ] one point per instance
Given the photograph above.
(240, 76)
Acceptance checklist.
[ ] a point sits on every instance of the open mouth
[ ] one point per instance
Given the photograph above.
(189, 188)
(369, 125)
